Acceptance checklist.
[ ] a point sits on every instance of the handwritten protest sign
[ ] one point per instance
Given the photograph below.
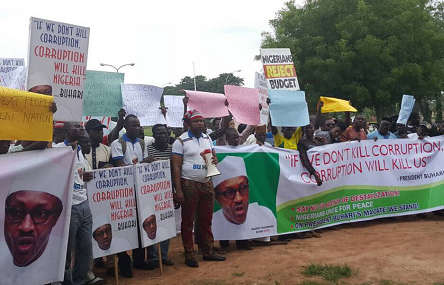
(103, 94)
(112, 200)
(261, 85)
(144, 102)
(288, 108)
(210, 105)
(243, 104)
(336, 105)
(279, 69)
(25, 115)
(175, 110)
(15, 79)
(155, 201)
(58, 55)
(37, 184)
(10, 64)
(407, 104)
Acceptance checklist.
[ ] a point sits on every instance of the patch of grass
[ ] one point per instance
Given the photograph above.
(328, 272)
(439, 283)
(209, 282)
(386, 282)
(238, 274)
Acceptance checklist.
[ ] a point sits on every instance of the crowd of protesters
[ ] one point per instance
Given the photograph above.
(193, 191)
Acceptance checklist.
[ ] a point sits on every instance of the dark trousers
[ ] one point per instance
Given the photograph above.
(199, 198)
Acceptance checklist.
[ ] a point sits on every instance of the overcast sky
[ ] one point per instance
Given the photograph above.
(162, 38)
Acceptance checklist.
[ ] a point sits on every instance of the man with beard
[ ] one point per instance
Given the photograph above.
(194, 191)
(237, 216)
(33, 211)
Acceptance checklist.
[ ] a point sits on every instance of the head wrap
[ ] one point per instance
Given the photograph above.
(100, 220)
(38, 78)
(230, 167)
(191, 115)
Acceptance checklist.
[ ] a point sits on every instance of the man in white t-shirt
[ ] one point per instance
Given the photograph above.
(129, 149)
(194, 190)
(237, 218)
(80, 229)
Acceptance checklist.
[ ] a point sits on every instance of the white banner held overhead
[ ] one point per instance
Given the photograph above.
(174, 111)
(58, 54)
(143, 101)
(279, 69)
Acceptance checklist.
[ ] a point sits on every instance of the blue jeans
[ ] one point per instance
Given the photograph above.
(79, 244)
(153, 254)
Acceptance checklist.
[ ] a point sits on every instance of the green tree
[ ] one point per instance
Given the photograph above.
(215, 85)
(368, 51)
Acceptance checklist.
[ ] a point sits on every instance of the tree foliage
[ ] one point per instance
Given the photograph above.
(215, 85)
(368, 51)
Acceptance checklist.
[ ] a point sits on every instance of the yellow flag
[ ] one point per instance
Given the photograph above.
(336, 105)
(25, 115)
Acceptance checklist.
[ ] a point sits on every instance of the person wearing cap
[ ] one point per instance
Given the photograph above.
(34, 218)
(100, 154)
(237, 216)
(58, 134)
(194, 191)
(80, 229)
(383, 132)
(422, 131)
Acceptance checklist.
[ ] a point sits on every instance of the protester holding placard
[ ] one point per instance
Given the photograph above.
(129, 149)
(161, 149)
(80, 230)
(195, 191)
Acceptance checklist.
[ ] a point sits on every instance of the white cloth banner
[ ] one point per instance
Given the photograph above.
(155, 200)
(57, 58)
(143, 101)
(113, 206)
(36, 195)
(174, 111)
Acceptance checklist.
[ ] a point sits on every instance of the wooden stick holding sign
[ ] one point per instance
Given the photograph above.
(116, 269)
(160, 258)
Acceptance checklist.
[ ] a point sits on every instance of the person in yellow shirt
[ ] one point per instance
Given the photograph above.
(289, 138)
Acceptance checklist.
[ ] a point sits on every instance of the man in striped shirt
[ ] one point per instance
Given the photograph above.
(160, 149)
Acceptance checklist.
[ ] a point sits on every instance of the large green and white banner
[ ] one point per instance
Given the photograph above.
(265, 191)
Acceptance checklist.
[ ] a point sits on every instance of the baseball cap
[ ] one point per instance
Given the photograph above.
(93, 124)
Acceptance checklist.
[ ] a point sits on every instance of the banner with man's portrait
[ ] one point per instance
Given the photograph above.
(265, 191)
(155, 202)
(112, 201)
(35, 200)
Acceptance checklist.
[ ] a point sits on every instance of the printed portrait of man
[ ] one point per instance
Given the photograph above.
(103, 235)
(237, 215)
(29, 219)
(150, 226)
(39, 83)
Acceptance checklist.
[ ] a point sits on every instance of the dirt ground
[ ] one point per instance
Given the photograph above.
(409, 250)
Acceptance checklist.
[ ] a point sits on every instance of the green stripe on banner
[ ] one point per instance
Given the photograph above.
(345, 204)
(362, 187)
